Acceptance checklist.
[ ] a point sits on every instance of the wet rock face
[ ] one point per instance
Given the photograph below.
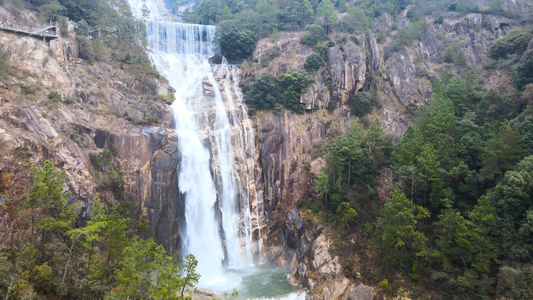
(299, 243)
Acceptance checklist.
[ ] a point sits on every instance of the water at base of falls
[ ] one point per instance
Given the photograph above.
(256, 282)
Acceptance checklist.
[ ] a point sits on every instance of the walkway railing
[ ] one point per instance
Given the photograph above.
(45, 31)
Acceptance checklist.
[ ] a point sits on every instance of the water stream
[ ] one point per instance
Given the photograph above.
(216, 171)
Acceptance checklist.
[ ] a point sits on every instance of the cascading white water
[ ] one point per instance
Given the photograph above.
(217, 167)
(211, 125)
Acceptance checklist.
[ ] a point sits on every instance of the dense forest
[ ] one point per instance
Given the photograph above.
(447, 209)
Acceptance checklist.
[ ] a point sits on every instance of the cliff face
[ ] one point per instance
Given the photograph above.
(291, 145)
(402, 78)
(291, 150)
(101, 107)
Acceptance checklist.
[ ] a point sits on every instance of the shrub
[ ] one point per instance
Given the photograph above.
(4, 62)
(322, 50)
(382, 36)
(313, 62)
(315, 35)
(54, 96)
(86, 50)
(406, 36)
(269, 92)
(449, 56)
(235, 44)
(355, 19)
(515, 42)
(413, 15)
(524, 70)
(421, 71)
(361, 103)
(261, 92)
(460, 60)
(292, 84)
(270, 56)
(27, 89)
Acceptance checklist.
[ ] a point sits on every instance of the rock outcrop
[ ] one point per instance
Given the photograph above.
(347, 70)
(100, 107)
(301, 244)
(291, 150)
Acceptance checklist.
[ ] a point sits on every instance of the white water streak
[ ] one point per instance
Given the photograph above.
(212, 127)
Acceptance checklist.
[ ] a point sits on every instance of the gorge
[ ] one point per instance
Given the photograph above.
(377, 151)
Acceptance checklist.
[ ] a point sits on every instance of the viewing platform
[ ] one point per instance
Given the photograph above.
(46, 32)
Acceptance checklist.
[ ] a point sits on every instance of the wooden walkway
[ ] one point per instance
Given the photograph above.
(48, 31)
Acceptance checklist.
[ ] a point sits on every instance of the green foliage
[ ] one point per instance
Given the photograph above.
(382, 36)
(406, 36)
(51, 9)
(27, 89)
(501, 152)
(439, 19)
(361, 103)
(516, 282)
(451, 200)
(292, 84)
(313, 62)
(449, 56)
(270, 55)
(326, 15)
(85, 50)
(316, 34)
(350, 163)
(524, 70)
(515, 42)
(355, 20)
(269, 92)
(51, 258)
(413, 14)
(452, 242)
(347, 214)
(399, 242)
(235, 44)
(54, 96)
(262, 92)
(513, 199)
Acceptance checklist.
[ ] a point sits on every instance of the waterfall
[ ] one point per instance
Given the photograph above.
(216, 142)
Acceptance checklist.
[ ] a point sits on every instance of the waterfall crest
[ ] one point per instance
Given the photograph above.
(217, 146)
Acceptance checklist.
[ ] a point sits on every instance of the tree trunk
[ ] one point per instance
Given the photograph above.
(68, 261)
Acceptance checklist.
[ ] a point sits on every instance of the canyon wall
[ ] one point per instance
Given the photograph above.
(101, 107)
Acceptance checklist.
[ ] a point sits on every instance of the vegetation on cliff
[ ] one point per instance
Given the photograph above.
(448, 206)
(57, 245)
(105, 30)
(51, 249)
(436, 205)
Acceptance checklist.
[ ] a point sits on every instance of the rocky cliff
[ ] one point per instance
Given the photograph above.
(299, 243)
(57, 107)
(291, 145)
